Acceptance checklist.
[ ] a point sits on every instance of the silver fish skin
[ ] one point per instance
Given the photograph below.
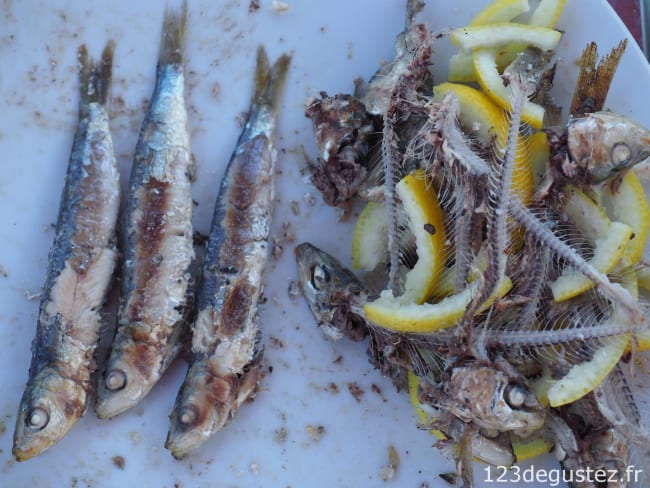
(79, 276)
(226, 350)
(156, 238)
(332, 292)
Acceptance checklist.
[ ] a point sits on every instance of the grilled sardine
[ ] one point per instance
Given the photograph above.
(156, 238)
(226, 349)
(81, 263)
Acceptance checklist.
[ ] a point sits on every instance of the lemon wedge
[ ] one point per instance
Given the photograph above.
(547, 13)
(584, 377)
(389, 312)
(628, 204)
(488, 77)
(370, 238)
(500, 11)
(503, 33)
(528, 448)
(420, 204)
(424, 419)
(610, 243)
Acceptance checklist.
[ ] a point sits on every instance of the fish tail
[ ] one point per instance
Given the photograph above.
(269, 80)
(172, 41)
(95, 77)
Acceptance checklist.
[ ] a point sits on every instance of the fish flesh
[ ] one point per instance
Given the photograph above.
(79, 276)
(156, 238)
(226, 349)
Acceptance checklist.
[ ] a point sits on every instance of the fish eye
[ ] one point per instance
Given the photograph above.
(116, 380)
(188, 414)
(319, 277)
(515, 396)
(620, 154)
(37, 418)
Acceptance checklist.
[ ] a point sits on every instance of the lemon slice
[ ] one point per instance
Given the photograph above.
(492, 84)
(584, 377)
(387, 311)
(414, 382)
(503, 33)
(547, 13)
(370, 238)
(628, 204)
(422, 208)
(610, 243)
(528, 448)
(500, 11)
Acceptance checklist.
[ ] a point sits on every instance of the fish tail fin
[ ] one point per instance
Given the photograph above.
(269, 80)
(95, 77)
(172, 41)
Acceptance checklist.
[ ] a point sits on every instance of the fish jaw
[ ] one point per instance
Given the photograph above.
(206, 402)
(604, 144)
(50, 406)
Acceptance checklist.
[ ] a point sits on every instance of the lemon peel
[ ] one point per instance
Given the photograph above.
(370, 238)
(503, 33)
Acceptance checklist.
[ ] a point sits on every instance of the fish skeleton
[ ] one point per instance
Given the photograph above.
(80, 270)
(156, 238)
(226, 350)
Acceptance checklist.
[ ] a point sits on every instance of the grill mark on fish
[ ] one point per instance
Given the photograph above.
(156, 293)
(226, 349)
(80, 268)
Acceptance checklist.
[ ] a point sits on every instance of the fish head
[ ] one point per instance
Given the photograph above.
(330, 289)
(126, 379)
(50, 406)
(207, 399)
(603, 144)
(493, 399)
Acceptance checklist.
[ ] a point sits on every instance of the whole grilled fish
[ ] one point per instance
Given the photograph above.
(156, 238)
(81, 263)
(226, 349)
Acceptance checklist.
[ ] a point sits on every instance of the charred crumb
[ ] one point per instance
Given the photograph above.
(315, 432)
(276, 342)
(294, 205)
(216, 89)
(3, 271)
(199, 238)
(356, 391)
(332, 388)
(254, 6)
(280, 435)
(118, 461)
(375, 389)
(338, 360)
(293, 289)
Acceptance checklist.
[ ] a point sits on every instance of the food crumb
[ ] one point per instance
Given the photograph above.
(333, 388)
(118, 461)
(216, 89)
(315, 432)
(295, 207)
(375, 389)
(279, 7)
(3, 427)
(309, 199)
(275, 342)
(280, 435)
(254, 6)
(277, 249)
(136, 438)
(294, 289)
(356, 391)
(3, 271)
(388, 472)
(255, 469)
